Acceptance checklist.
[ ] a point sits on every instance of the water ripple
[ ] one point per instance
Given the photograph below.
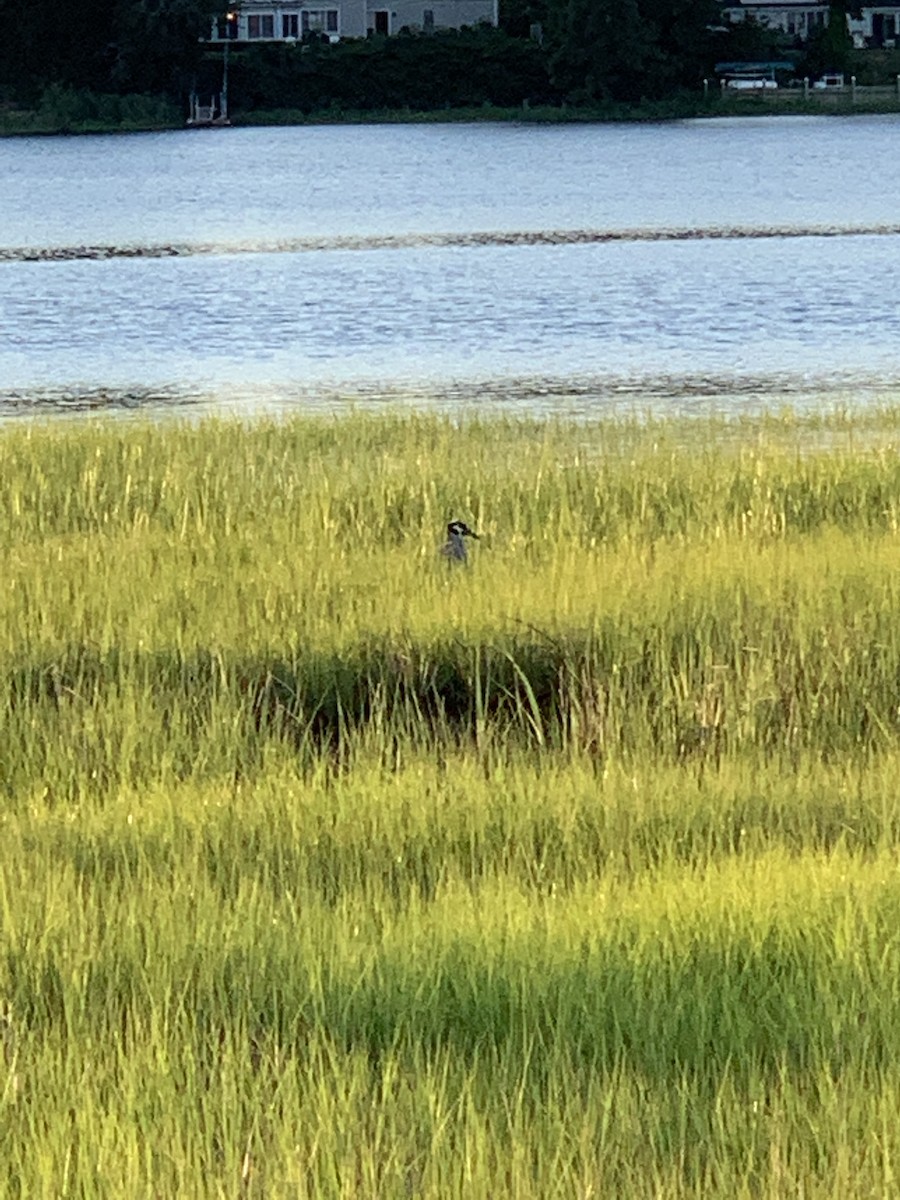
(579, 396)
(407, 241)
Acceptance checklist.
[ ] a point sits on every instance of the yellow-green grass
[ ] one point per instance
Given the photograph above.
(329, 870)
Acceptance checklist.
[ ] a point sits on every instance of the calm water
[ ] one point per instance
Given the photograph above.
(723, 262)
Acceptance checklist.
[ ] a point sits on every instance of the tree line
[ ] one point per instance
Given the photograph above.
(107, 46)
(545, 51)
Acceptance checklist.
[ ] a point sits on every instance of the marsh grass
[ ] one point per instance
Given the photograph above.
(331, 871)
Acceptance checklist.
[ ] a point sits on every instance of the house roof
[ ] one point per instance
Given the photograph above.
(754, 66)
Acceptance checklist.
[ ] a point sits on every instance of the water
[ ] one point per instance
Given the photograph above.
(733, 263)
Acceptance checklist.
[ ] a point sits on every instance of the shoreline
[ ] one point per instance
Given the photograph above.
(675, 109)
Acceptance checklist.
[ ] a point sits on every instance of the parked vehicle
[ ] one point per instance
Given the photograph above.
(750, 83)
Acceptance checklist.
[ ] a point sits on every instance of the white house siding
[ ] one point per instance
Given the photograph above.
(429, 14)
(792, 17)
(878, 25)
(282, 20)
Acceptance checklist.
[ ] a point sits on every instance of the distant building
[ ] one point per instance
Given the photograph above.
(790, 17)
(877, 27)
(287, 21)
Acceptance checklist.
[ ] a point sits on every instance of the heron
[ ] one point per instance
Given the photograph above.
(454, 549)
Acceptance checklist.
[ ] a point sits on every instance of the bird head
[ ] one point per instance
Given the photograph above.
(461, 529)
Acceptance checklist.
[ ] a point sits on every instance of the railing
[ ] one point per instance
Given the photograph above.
(805, 92)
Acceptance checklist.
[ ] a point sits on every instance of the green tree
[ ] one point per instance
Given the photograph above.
(628, 49)
(749, 40)
(158, 43)
(122, 46)
(684, 33)
(517, 17)
(830, 48)
(604, 51)
(55, 41)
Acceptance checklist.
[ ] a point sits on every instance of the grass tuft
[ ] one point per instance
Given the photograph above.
(332, 871)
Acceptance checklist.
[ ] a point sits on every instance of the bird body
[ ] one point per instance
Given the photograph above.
(454, 549)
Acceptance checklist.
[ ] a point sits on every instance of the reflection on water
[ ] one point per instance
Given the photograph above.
(421, 320)
(724, 264)
(269, 184)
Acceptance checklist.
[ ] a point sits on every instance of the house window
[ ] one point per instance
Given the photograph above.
(428, 18)
(261, 25)
(290, 25)
(320, 20)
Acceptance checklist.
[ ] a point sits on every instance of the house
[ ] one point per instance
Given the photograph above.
(793, 18)
(291, 20)
(877, 27)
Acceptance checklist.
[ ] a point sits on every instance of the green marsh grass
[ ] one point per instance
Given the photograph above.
(331, 871)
